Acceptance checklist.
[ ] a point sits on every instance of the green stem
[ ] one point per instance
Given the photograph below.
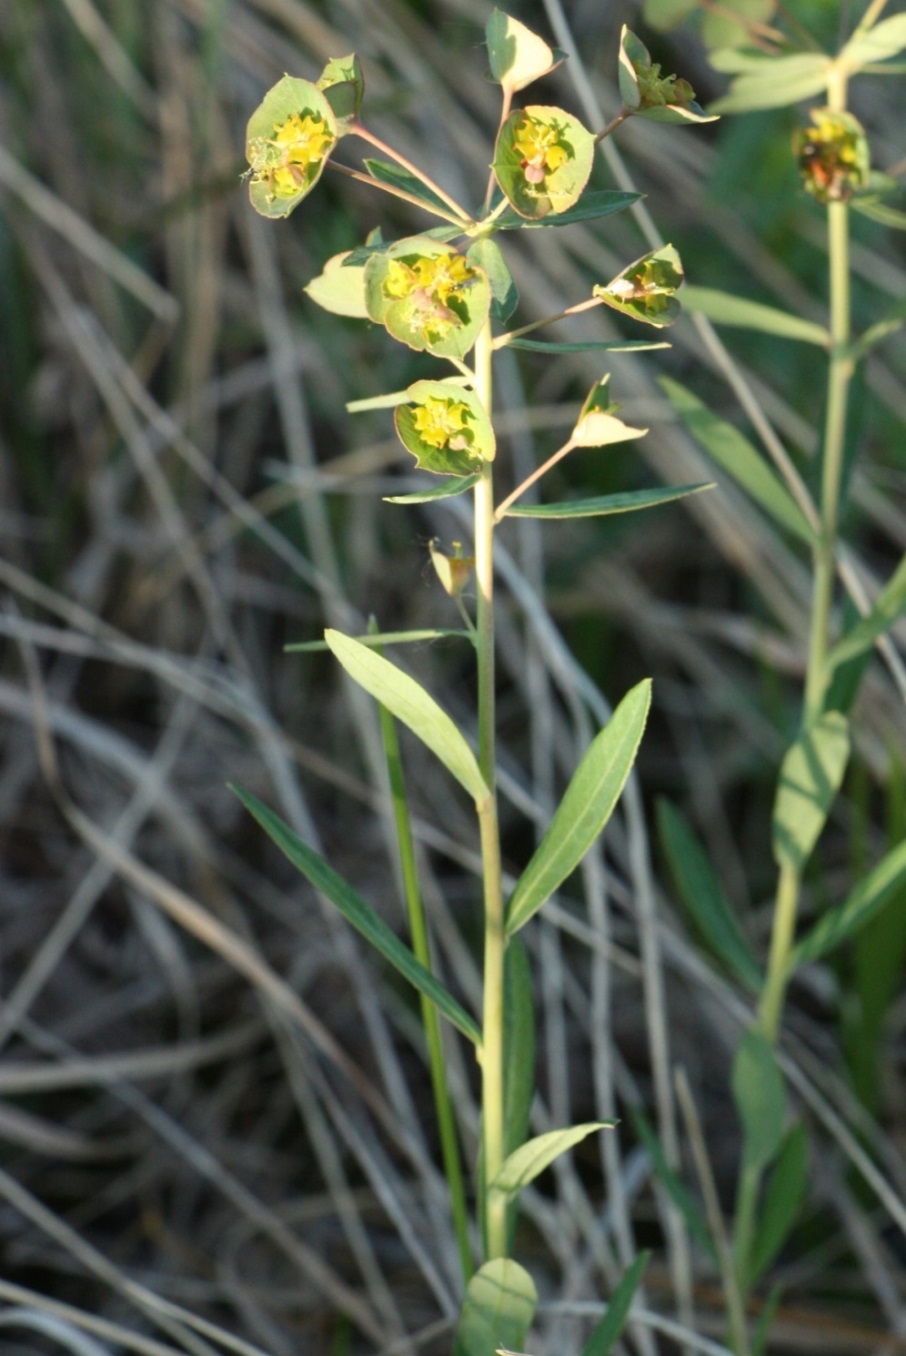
(784, 928)
(840, 372)
(446, 1121)
(538, 472)
(492, 1101)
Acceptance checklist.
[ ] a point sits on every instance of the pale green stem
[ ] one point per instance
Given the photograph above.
(492, 1102)
(503, 339)
(824, 557)
(870, 17)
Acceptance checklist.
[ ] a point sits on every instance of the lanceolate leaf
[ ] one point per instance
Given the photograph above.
(445, 491)
(810, 777)
(760, 1099)
(783, 80)
(625, 502)
(413, 707)
(360, 914)
(497, 1311)
(530, 1159)
(605, 1334)
(870, 895)
(397, 177)
(590, 207)
(736, 455)
(888, 606)
(886, 39)
(519, 1045)
(379, 638)
(726, 309)
(703, 897)
(782, 1201)
(585, 808)
(581, 345)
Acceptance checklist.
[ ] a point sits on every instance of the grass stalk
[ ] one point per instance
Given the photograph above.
(418, 928)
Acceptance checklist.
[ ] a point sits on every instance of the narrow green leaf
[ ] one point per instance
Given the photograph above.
(736, 455)
(397, 177)
(585, 808)
(497, 1311)
(676, 1189)
(455, 485)
(379, 639)
(810, 777)
(581, 345)
(870, 895)
(530, 1159)
(888, 606)
(782, 1201)
(413, 707)
(606, 1332)
(590, 207)
(760, 1097)
(886, 39)
(726, 309)
(360, 914)
(701, 892)
(625, 502)
(785, 80)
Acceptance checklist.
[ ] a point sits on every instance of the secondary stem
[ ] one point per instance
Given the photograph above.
(824, 559)
(492, 1103)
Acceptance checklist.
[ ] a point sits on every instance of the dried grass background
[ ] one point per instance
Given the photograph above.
(215, 1130)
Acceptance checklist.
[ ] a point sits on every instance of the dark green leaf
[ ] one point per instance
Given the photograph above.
(701, 892)
(519, 1045)
(397, 177)
(625, 502)
(581, 345)
(505, 298)
(447, 490)
(782, 1201)
(736, 455)
(760, 1097)
(360, 914)
(590, 207)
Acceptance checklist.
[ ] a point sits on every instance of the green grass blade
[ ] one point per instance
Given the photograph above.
(676, 1189)
(870, 895)
(414, 707)
(605, 1334)
(701, 892)
(585, 808)
(723, 308)
(360, 914)
(736, 455)
(810, 777)
(497, 1311)
(630, 501)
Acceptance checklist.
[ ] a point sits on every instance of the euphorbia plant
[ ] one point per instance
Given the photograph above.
(448, 293)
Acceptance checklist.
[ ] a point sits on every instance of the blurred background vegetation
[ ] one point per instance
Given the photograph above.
(182, 493)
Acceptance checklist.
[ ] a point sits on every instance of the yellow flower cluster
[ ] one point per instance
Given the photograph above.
(832, 155)
(539, 146)
(431, 282)
(443, 424)
(284, 161)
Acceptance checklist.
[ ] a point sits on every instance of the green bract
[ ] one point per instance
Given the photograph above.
(647, 93)
(446, 428)
(289, 138)
(340, 288)
(542, 160)
(645, 290)
(428, 296)
(597, 425)
(517, 55)
(343, 85)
